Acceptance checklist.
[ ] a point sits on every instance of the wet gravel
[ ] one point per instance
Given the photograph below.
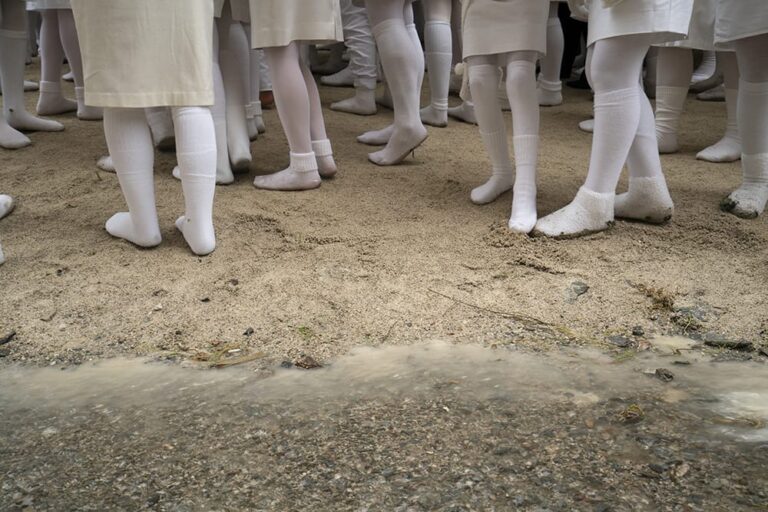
(453, 441)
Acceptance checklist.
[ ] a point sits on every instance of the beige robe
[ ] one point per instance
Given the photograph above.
(146, 53)
(279, 22)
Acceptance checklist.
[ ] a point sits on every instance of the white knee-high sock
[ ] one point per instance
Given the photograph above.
(550, 86)
(403, 69)
(224, 174)
(230, 57)
(253, 111)
(51, 101)
(483, 82)
(617, 116)
(439, 55)
(418, 62)
(196, 154)
(648, 198)
(521, 91)
(130, 145)
(524, 215)
(749, 200)
(13, 51)
(669, 107)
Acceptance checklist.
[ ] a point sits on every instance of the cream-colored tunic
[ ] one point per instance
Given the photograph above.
(41, 5)
(499, 26)
(663, 20)
(146, 53)
(739, 19)
(279, 22)
(701, 33)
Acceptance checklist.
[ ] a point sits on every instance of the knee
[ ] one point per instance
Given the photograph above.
(483, 78)
(521, 73)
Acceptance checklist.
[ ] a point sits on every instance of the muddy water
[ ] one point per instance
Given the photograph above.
(432, 427)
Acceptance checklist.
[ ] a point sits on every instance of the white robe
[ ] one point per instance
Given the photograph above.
(739, 19)
(146, 53)
(277, 23)
(491, 26)
(664, 20)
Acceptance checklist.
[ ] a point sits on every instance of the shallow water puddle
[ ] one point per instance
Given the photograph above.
(418, 427)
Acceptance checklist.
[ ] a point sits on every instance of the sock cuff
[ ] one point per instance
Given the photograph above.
(46, 86)
(437, 22)
(479, 70)
(753, 87)
(384, 26)
(550, 86)
(13, 34)
(757, 164)
(526, 149)
(525, 64)
(322, 147)
(585, 193)
(303, 162)
(615, 95)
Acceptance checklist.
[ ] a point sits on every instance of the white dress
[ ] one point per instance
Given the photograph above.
(146, 53)
(663, 20)
(701, 33)
(739, 19)
(279, 22)
(491, 26)
(41, 5)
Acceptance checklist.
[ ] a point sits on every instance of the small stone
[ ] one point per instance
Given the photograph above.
(576, 290)
(205, 299)
(158, 307)
(286, 364)
(719, 341)
(307, 362)
(248, 332)
(7, 338)
(638, 331)
(664, 375)
(620, 341)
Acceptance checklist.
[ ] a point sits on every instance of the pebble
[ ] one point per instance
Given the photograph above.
(620, 341)
(638, 331)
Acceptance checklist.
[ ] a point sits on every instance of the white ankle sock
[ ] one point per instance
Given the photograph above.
(589, 212)
(302, 174)
(196, 154)
(130, 145)
(254, 116)
(502, 177)
(323, 151)
(524, 215)
(106, 164)
(669, 107)
(748, 201)
(7, 204)
(51, 102)
(377, 137)
(439, 56)
(647, 200)
(727, 149)
(550, 93)
(363, 103)
(464, 112)
(84, 112)
(343, 78)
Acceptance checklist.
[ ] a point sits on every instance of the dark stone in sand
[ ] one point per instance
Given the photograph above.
(620, 341)
(718, 340)
(638, 331)
(7, 338)
(664, 375)
(248, 331)
(307, 362)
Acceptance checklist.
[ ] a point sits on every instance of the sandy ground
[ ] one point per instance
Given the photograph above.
(376, 256)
